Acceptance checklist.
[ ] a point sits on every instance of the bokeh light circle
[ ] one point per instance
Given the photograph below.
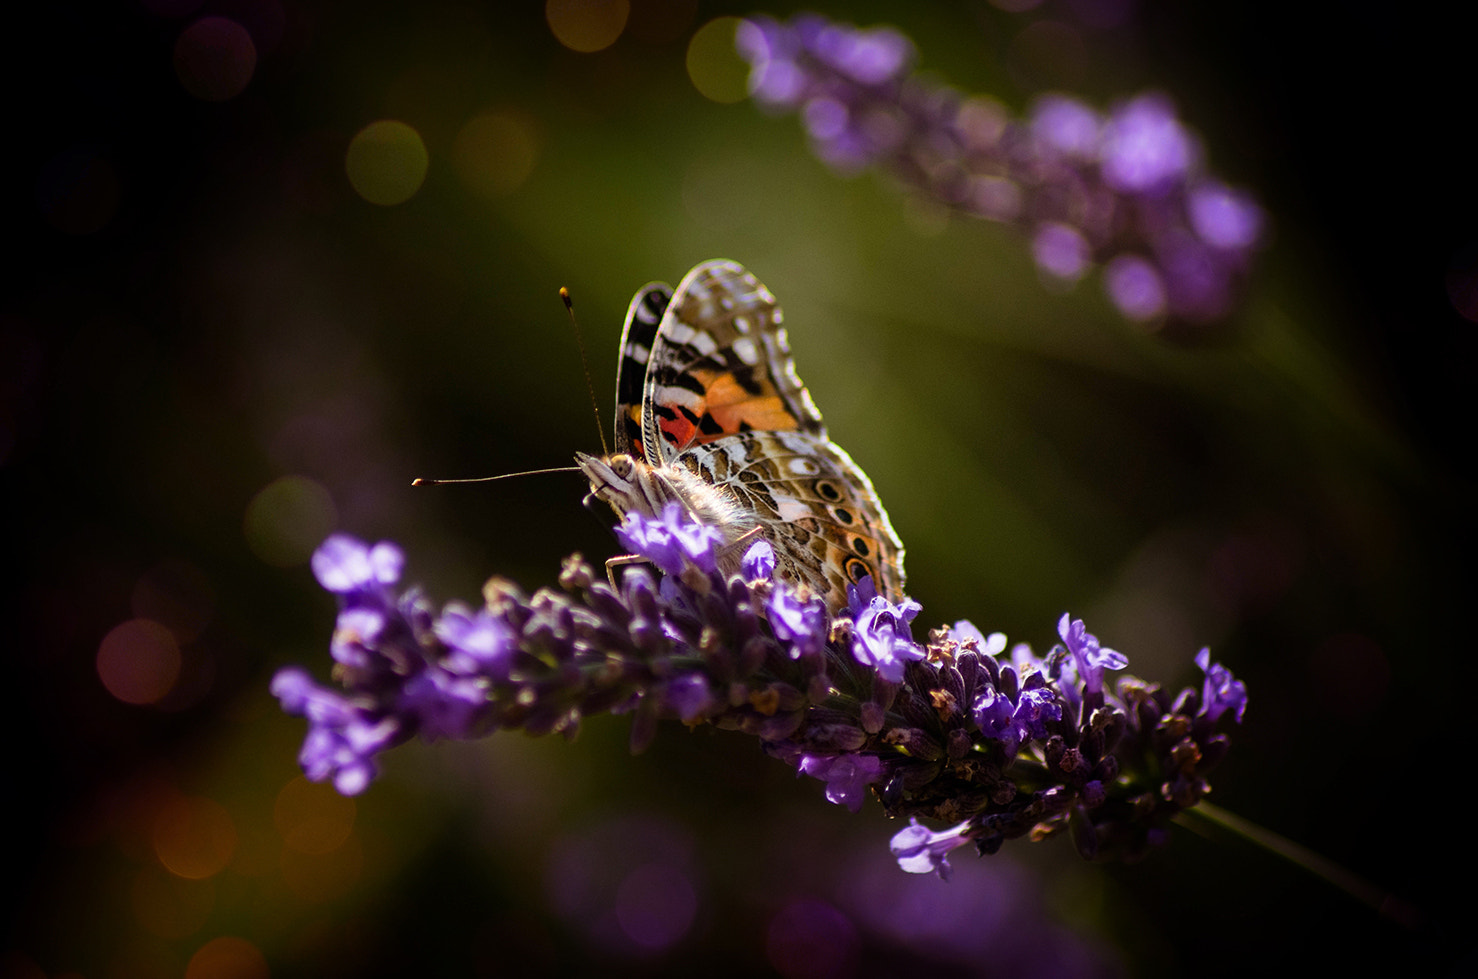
(386, 162)
(714, 65)
(587, 25)
(811, 938)
(227, 957)
(194, 838)
(139, 661)
(1135, 287)
(215, 59)
(287, 519)
(656, 905)
(494, 153)
(312, 818)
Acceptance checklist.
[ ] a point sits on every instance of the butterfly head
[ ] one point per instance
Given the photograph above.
(614, 479)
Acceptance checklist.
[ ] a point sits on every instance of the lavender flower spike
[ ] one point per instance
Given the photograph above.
(995, 745)
(1126, 189)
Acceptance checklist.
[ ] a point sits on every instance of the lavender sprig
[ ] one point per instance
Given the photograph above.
(1126, 190)
(952, 729)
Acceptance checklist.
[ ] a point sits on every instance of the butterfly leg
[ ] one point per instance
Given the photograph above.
(621, 560)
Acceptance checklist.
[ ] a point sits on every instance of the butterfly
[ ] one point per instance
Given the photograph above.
(710, 413)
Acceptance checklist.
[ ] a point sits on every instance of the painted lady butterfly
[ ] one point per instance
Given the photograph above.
(710, 413)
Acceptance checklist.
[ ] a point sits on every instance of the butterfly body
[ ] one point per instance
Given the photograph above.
(711, 414)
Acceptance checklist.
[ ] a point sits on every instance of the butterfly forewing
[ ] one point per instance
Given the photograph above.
(721, 364)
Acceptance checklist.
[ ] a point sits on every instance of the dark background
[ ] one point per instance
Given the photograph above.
(199, 305)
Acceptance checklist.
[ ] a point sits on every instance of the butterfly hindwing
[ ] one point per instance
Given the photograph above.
(818, 508)
(643, 317)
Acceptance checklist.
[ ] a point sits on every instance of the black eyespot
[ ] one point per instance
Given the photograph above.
(857, 569)
(842, 515)
(860, 546)
(827, 490)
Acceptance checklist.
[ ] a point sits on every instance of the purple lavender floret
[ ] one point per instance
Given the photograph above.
(1222, 691)
(477, 642)
(758, 563)
(799, 621)
(342, 738)
(1089, 657)
(347, 567)
(1126, 189)
(997, 744)
(847, 776)
(671, 542)
(920, 850)
(881, 637)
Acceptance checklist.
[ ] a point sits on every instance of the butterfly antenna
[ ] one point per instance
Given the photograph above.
(421, 481)
(564, 294)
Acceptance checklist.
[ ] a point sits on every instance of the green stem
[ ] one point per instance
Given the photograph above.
(1383, 902)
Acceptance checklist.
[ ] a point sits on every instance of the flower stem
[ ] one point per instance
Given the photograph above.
(1383, 902)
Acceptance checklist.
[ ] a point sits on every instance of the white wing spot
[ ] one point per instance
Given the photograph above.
(703, 342)
(746, 351)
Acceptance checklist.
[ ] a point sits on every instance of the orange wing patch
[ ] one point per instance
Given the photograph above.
(725, 408)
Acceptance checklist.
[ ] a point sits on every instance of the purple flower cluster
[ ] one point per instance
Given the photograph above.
(1126, 190)
(953, 729)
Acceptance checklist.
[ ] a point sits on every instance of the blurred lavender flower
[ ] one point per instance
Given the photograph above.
(1126, 189)
(920, 850)
(951, 729)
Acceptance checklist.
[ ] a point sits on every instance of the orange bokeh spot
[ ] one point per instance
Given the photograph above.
(227, 957)
(139, 661)
(194, 838)
(587, 25)
(312, 817)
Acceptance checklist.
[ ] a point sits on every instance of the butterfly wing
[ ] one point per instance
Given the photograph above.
(818, 509)
(707, 385)
(643, 317)
(720, 363)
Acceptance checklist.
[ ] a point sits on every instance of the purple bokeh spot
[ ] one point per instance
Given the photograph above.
(1066, 126)
(1145, 148)
(1061, 251)
(1224, 218)
(1135, 287)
